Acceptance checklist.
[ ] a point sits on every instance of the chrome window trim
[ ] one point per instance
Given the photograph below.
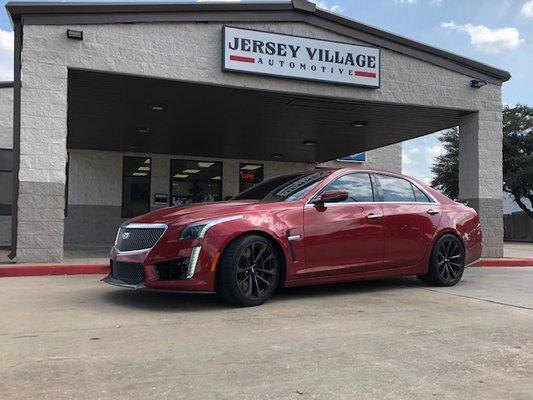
(435, 201)
(372, 202)
(140, 226)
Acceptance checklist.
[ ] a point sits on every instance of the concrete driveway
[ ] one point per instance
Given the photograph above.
(76, 338)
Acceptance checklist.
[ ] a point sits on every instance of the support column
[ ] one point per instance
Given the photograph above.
(43, 156)
(480, 174)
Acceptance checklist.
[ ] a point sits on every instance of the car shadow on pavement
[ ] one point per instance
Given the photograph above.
(162, 301)
(167, 301)
(357, 287)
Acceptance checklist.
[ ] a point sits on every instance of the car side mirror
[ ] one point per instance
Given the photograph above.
(331, 196)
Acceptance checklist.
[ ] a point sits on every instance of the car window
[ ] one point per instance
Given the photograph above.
(358, 186)
(284, 188)
(420, 196)
(396, 189)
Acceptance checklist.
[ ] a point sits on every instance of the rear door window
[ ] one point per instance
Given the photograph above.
(420, 196)
(395, 189)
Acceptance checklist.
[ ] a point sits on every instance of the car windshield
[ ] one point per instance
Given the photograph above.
(283, 188)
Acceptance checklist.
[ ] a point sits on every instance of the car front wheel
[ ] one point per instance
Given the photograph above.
(248, 273)
(446, 264)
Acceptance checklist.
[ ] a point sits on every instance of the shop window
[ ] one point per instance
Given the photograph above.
(249, 175)
(6, 183)
(136, 180)
(193, 181)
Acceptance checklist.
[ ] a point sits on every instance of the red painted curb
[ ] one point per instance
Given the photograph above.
(102, 269)
(505, 262)
(52, 269)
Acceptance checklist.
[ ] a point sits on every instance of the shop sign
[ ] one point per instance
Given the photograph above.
(266, 53)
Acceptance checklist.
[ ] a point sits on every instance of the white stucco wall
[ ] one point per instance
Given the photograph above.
(6, 118)
(6, 142)
(191, 52)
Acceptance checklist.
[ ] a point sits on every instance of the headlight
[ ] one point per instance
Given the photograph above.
(199, 229)
(192, 231)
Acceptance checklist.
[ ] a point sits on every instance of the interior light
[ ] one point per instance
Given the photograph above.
(250, 167)
(76, 35)
(358, 124)
(309, 142)
(216, 178)
(143, 130)
(147, 161)
(191, 171)
(276, 155)
(143, 169)
(181, 176)
(205, 164)
(139, 174)
(157, 107)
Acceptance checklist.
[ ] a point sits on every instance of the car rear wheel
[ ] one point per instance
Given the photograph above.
(446, 265)
(248, 273)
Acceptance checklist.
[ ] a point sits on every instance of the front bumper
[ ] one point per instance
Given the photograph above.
(117, 282)
(142, 287)
(201, 277)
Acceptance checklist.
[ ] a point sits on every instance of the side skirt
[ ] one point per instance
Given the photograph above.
(360, 276)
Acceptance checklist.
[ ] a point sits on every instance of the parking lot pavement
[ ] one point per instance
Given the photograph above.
(76, 338)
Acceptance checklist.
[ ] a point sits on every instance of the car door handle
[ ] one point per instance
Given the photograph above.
(374, 216)
(432, 212)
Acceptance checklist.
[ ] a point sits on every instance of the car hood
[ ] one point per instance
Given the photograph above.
(197, 212)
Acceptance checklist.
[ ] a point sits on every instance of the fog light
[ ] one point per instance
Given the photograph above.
(193, 260)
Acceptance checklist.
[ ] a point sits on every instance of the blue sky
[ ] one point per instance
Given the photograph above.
(497, 32)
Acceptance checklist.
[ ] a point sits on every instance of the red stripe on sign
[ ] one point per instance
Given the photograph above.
(242, 59)
(365, 74)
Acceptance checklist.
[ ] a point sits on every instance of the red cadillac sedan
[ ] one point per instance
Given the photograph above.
(309, 228)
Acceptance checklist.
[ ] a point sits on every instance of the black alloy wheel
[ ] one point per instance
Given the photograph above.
(249, 271)
(447, 262)
(256, 269)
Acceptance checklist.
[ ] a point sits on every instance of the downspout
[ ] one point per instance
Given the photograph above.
(16, 137)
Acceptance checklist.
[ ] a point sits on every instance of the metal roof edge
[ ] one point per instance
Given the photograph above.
(18, 9)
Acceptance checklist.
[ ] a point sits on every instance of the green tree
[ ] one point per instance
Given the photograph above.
(446, 167)
(517, 158)
(518, 155)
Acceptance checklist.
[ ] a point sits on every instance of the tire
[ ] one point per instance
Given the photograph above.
(446, 265)
(249, 271)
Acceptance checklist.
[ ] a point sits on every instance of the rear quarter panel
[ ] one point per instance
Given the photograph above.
(463, 221)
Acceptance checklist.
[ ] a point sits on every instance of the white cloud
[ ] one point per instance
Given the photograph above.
(487, 39)
(414, 150)
(406, 160)
(435, 151)
(334, 8)
(6, 55)
(527, 8)
(431, 2)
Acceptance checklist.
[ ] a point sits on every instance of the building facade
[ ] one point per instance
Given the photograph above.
(107, 96)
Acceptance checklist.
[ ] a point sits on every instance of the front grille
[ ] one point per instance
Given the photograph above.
(130, 273)
(170, 270)
(130, 239)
